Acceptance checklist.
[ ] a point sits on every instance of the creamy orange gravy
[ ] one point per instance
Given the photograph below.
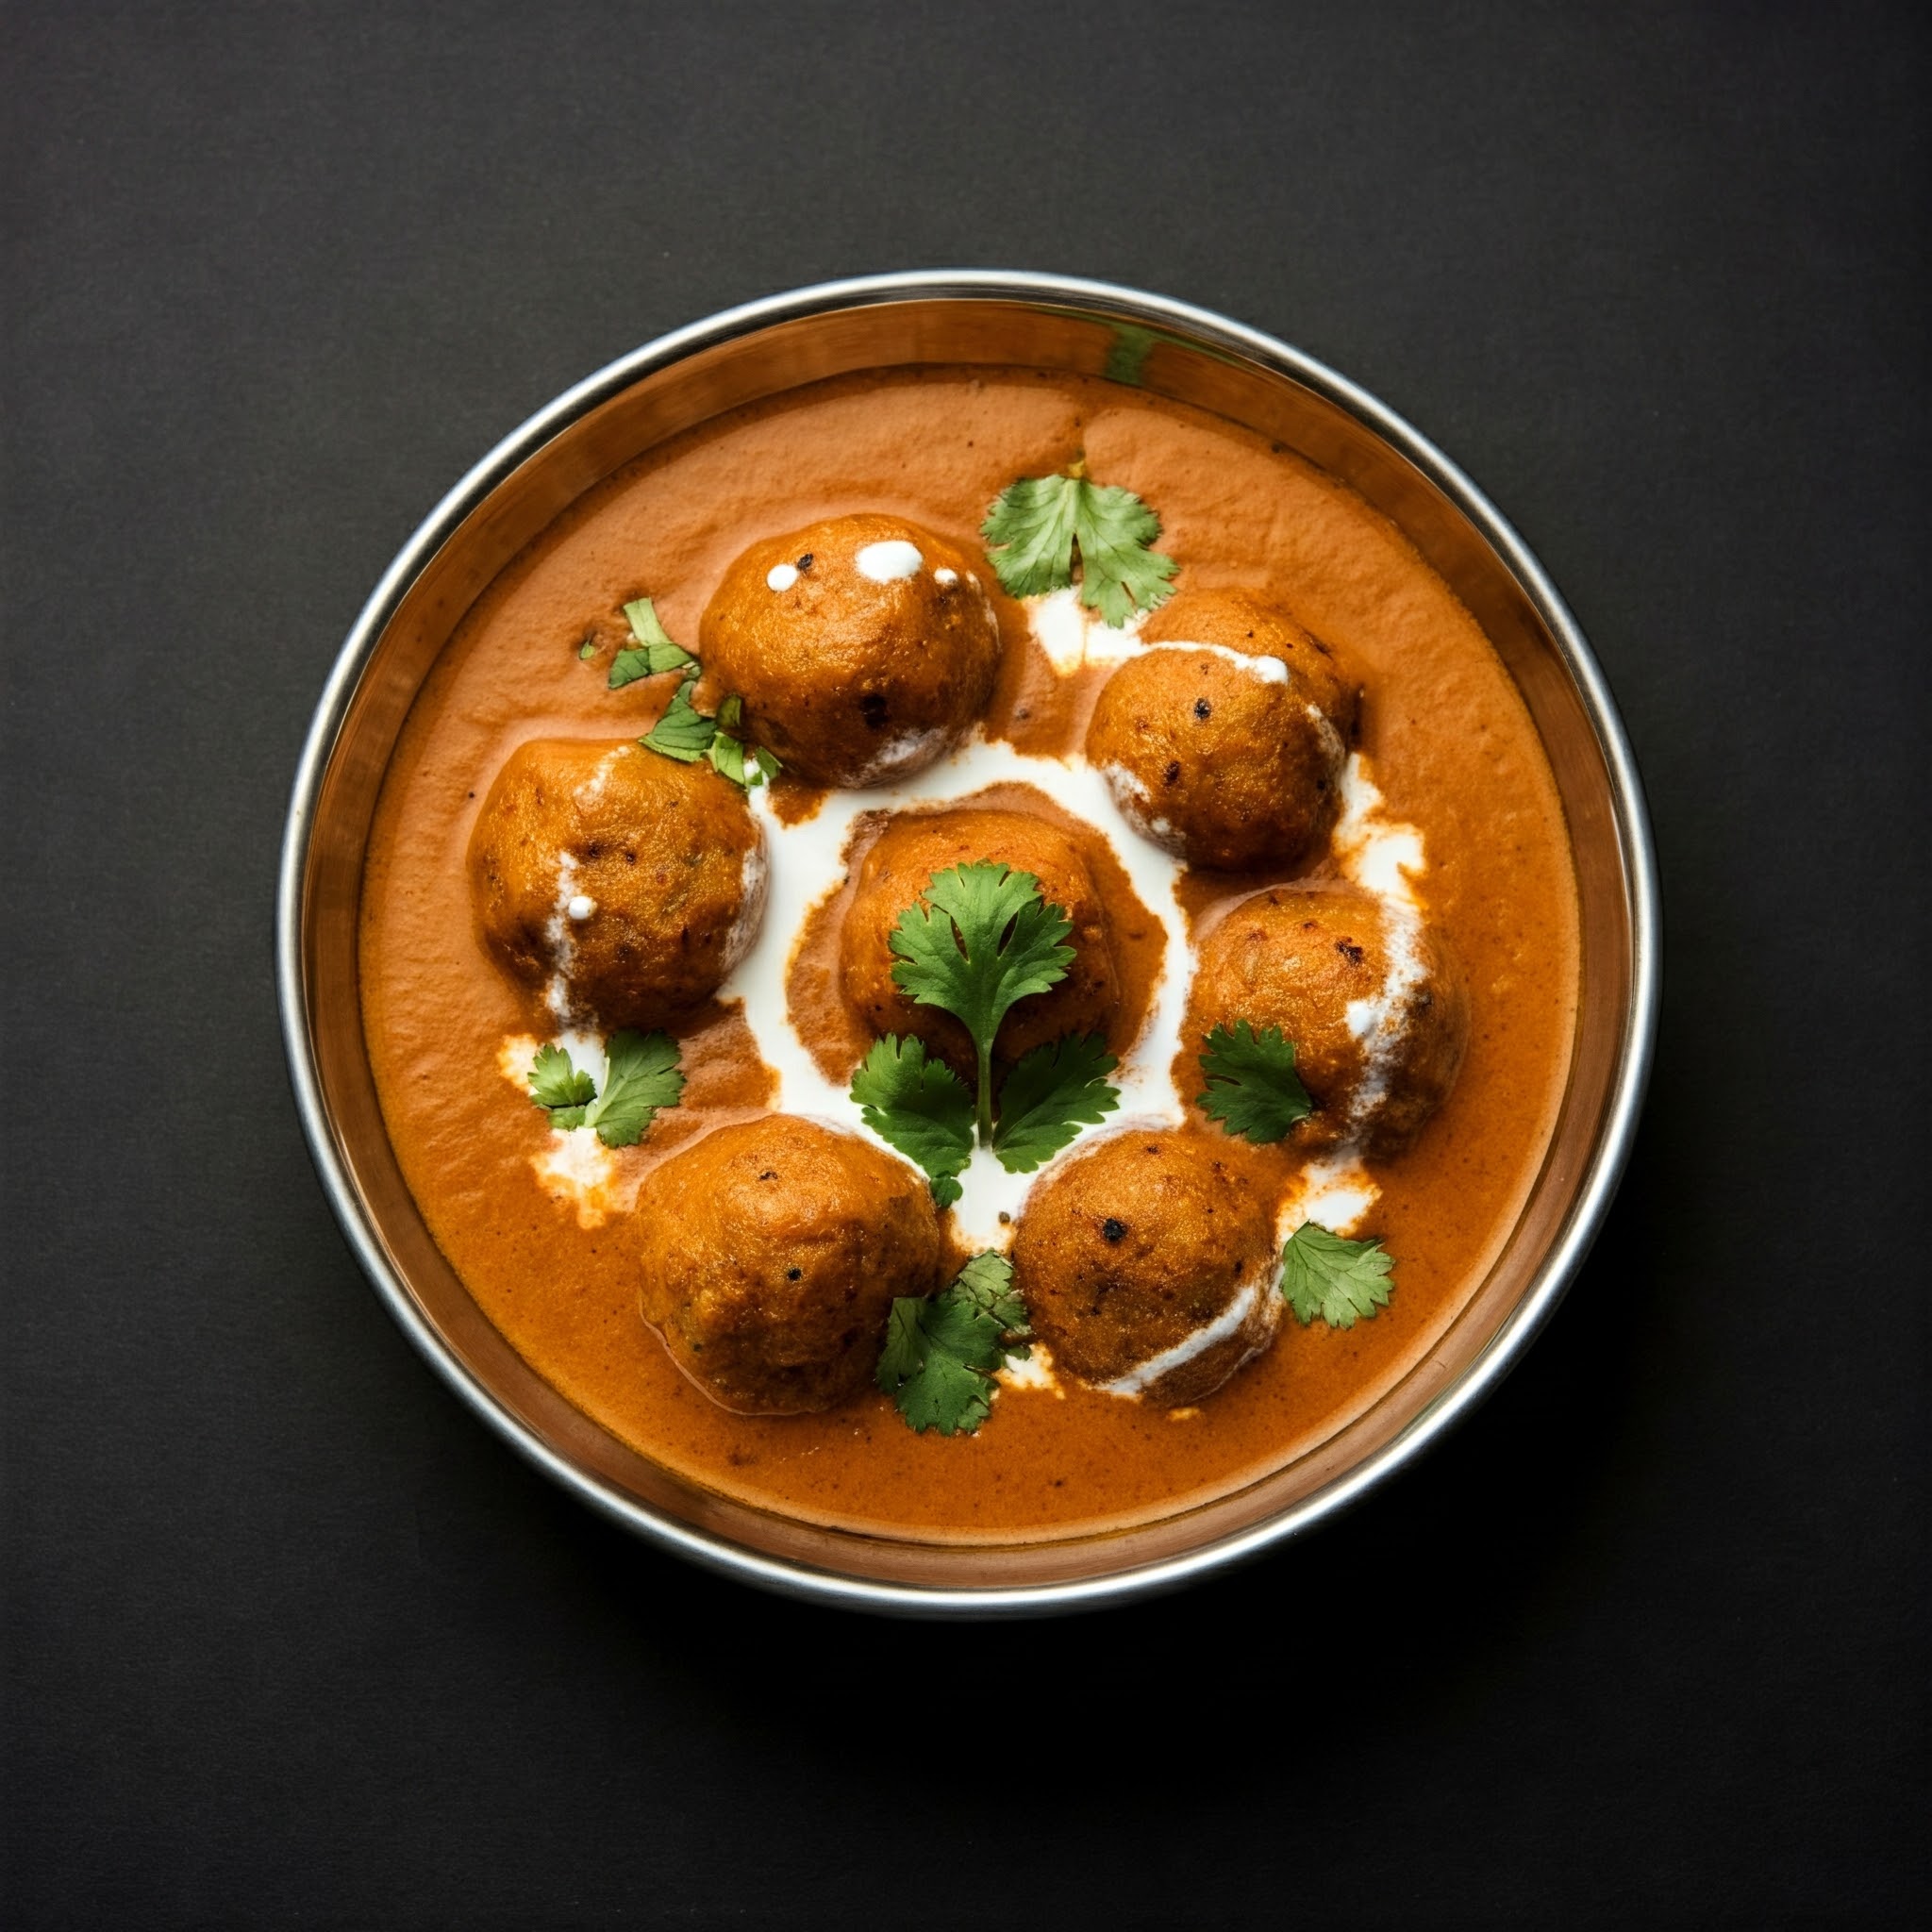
(1451, 748)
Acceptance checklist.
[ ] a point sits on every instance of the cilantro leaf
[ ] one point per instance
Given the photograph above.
(919, 1105)
(1339, 1281)
(1029, 535)
(743, 764)
(941, 1353)
(1036, 525)
(1253, 1089)
(644, 1076)
(556, 1081)
(683, 732)
(653, 651)
(980, 938)
(586, 650)
(987, 1282)
(1050, 1095)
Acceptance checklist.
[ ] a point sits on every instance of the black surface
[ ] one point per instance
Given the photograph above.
(290, 1640)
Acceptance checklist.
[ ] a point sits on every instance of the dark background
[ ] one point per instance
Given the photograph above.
(291, 1640)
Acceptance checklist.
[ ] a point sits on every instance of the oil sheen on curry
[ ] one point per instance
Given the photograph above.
(977, 955)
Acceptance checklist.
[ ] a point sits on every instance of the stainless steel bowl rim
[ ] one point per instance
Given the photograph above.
(1206, 329)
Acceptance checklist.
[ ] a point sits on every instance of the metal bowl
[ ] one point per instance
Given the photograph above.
(880, 323)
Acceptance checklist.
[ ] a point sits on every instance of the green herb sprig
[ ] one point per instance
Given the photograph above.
(1339, 1280)
(981, 938)
(687, 734)
(1253, 1089)
(941, 1352)
(1035, 527)
(644, 1076)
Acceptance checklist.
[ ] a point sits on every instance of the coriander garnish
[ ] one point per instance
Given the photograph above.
(942, 1352)
(687, 734)
(643, 1076)
(919, 1105)
(980, 938)
(1035, 525)
(560, 1088)
(1339, 1281)
(1253, 1089)
(1050, 1095)
(683, 732)
(653, 651)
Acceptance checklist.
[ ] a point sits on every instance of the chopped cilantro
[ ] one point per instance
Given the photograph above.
(560, 1088)
(919, 1105)
(643, 1076)
(653, 651)
(586, 650)
(743, 764)
(683, 732)
(1253, 1089)
(941, 1353)
(1049, 1096)
(1035, 525)
(1339, 1281)
(981, 938)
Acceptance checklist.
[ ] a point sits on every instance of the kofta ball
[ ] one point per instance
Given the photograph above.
(913, 847)
(771, 1251)
(863, 647)
(1371, 998)
(1229, 757)
(1148, 1265)
(623, 885)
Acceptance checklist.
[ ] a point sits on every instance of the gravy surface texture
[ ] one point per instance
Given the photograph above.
(554, 1263)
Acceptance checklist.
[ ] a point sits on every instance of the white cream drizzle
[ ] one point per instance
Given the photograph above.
(1071, 635)
(1253, 1295)
(889, 562)
(781, 577)
(557, 937)
(1032, 1371)
(795, 866)
(1384, 857)
(1255, 664)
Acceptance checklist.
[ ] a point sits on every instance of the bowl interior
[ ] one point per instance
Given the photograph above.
(678, 385)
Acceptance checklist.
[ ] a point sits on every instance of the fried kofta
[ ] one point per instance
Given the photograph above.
(896, 873)
(863, 647)
(1149, 1264)
(1230, 756)
(772, 1263)
(1372, 999)
(623, 885)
